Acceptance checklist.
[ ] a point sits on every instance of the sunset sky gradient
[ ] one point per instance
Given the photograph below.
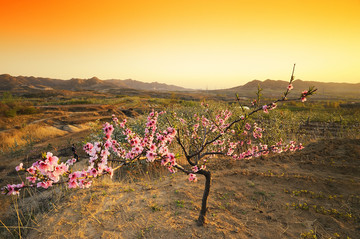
(191, 43)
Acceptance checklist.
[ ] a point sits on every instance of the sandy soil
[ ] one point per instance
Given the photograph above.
(312, 192)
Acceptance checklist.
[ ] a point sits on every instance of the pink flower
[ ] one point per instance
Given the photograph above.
(138, 149)
(247, 126)
(12, 190)
(93, 172)
(70, 161)
(150, 156)
(63, 167)
(19, 167)
(84, 184)
(164, 161)
(192, 177)
(44, 167)
(303, 95)
(265, 109)
(290, 87)
(72, 184)
(107, 144)
(73, 176)
(31, 179)
(54, 176)
(45, 184)
(272, 106)
(31, 170)
(53, 160)
(153, 147)
(104, 153)
(110, 171)
(171, 131)
(88, 147)
(195, 169)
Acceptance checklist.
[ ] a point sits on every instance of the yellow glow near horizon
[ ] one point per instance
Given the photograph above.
(195, 44)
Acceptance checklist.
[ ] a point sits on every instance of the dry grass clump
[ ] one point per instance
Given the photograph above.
(27, 135)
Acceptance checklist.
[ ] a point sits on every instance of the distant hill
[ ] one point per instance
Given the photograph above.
(24, 83)
(274, 88)
(138, 85)
(271, 88)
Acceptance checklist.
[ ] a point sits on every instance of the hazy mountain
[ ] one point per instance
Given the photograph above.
(274, 88)
(271, 88)
(154, 86)
(23, 83)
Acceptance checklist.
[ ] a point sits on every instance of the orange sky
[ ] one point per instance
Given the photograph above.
(190, 43)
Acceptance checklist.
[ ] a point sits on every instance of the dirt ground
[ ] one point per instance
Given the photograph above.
(312, 192)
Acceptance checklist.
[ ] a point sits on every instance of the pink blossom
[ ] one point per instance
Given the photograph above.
(53, 160)
(104, 153)
(272, 106)
(83, 184)
(303, 95)
(195, 169)
(107, 144)
(137, 149)
(110, 171)
(12, 190)
(44, 167)
(290, 87)
(73, 176)
(265, 108)
(97, 146)
(72, 184)
(70, 161)
(192, 177)
(247, 126)
(31, 179)
(150, 156)
(164, 161)
(19, 167)
(45, 184)
(62, 168)
(171, 158)
(31, 170)
(171, 131)
(153, 147)
(93, 172)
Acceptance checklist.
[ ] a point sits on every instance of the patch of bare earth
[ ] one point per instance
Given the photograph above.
(280, 196)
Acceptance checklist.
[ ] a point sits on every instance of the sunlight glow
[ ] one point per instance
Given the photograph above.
(195, 44)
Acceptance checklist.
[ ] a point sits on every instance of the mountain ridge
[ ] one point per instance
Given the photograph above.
(11, 83)
(270, 87)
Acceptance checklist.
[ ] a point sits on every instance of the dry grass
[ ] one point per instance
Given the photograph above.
(248, 199)
(33, 133)
(27, 135)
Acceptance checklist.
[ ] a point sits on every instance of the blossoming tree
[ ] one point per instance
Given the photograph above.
(200, 136)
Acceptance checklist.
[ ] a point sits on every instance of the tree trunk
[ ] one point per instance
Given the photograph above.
(201, 219)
